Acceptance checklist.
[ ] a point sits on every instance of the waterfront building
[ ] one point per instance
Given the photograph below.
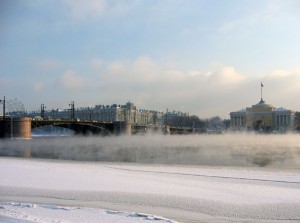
(298, 121)
(107, 113)
(176, 118)
(125, 113)
(184, 119)
(263, 117)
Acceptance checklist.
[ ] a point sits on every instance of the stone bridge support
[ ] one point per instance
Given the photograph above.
(122, 128)
(15, 128)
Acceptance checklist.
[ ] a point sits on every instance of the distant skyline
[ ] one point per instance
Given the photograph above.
(203, 57)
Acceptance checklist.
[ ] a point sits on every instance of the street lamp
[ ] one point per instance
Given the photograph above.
(3, 101)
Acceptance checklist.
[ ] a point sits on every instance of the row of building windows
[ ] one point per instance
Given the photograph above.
(281, 120)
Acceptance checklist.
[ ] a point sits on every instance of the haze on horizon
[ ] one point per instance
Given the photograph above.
(203, 57)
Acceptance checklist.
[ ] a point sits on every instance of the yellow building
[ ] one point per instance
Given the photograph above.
(263, 117)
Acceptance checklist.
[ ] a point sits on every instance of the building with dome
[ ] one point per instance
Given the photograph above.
(263, 117)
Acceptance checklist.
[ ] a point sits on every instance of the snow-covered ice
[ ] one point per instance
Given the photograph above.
(32, 187)
(32, 213)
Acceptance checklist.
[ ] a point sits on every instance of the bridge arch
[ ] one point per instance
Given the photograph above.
(52, 129)
(84, 128)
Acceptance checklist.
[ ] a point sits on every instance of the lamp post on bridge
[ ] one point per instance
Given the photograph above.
(43, 111)
(3, 101)
(72, 110)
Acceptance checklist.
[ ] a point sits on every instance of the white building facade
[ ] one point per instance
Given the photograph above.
(263, 117)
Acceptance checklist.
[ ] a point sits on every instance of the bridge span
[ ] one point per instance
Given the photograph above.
(21, 127)
(79, 127)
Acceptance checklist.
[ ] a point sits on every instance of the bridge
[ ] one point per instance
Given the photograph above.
(79, 127)
(118, 120)
(11, 127)
(106, 128)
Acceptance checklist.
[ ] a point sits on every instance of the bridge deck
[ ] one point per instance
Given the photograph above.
(96, 126)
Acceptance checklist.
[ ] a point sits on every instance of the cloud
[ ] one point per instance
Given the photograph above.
(286, 82)
(5, 81)
(282, 73)
(91, 9)
(145, 68)
(142, 68)
(279, 11)
(38, 87)
(70, 81)
(116, 68)
(230, 26)
(47, 64)
(97, 63)
(272, 13)
(88, 8)
(153, 85)
(241, 23)
(225, 76)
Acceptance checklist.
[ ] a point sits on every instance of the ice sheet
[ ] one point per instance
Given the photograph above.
(218, 192)
(31, 213)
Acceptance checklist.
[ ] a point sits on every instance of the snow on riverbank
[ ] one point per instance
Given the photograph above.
(183, 193)
(30, 213)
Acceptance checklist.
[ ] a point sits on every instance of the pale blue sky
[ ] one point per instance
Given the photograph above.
(203, 57)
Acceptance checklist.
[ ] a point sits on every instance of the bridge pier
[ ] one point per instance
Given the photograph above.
(193, 130)
(166, 130)
(15, 128)
(122, 128)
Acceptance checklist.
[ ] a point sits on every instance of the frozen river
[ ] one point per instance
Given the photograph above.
(186, 179)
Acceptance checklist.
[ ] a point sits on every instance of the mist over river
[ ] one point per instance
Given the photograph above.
(279, 151)
(185, 178)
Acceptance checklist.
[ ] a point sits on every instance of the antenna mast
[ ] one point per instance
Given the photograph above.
(261, 86)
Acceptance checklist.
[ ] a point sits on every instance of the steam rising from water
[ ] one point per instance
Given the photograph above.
(282, 151)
